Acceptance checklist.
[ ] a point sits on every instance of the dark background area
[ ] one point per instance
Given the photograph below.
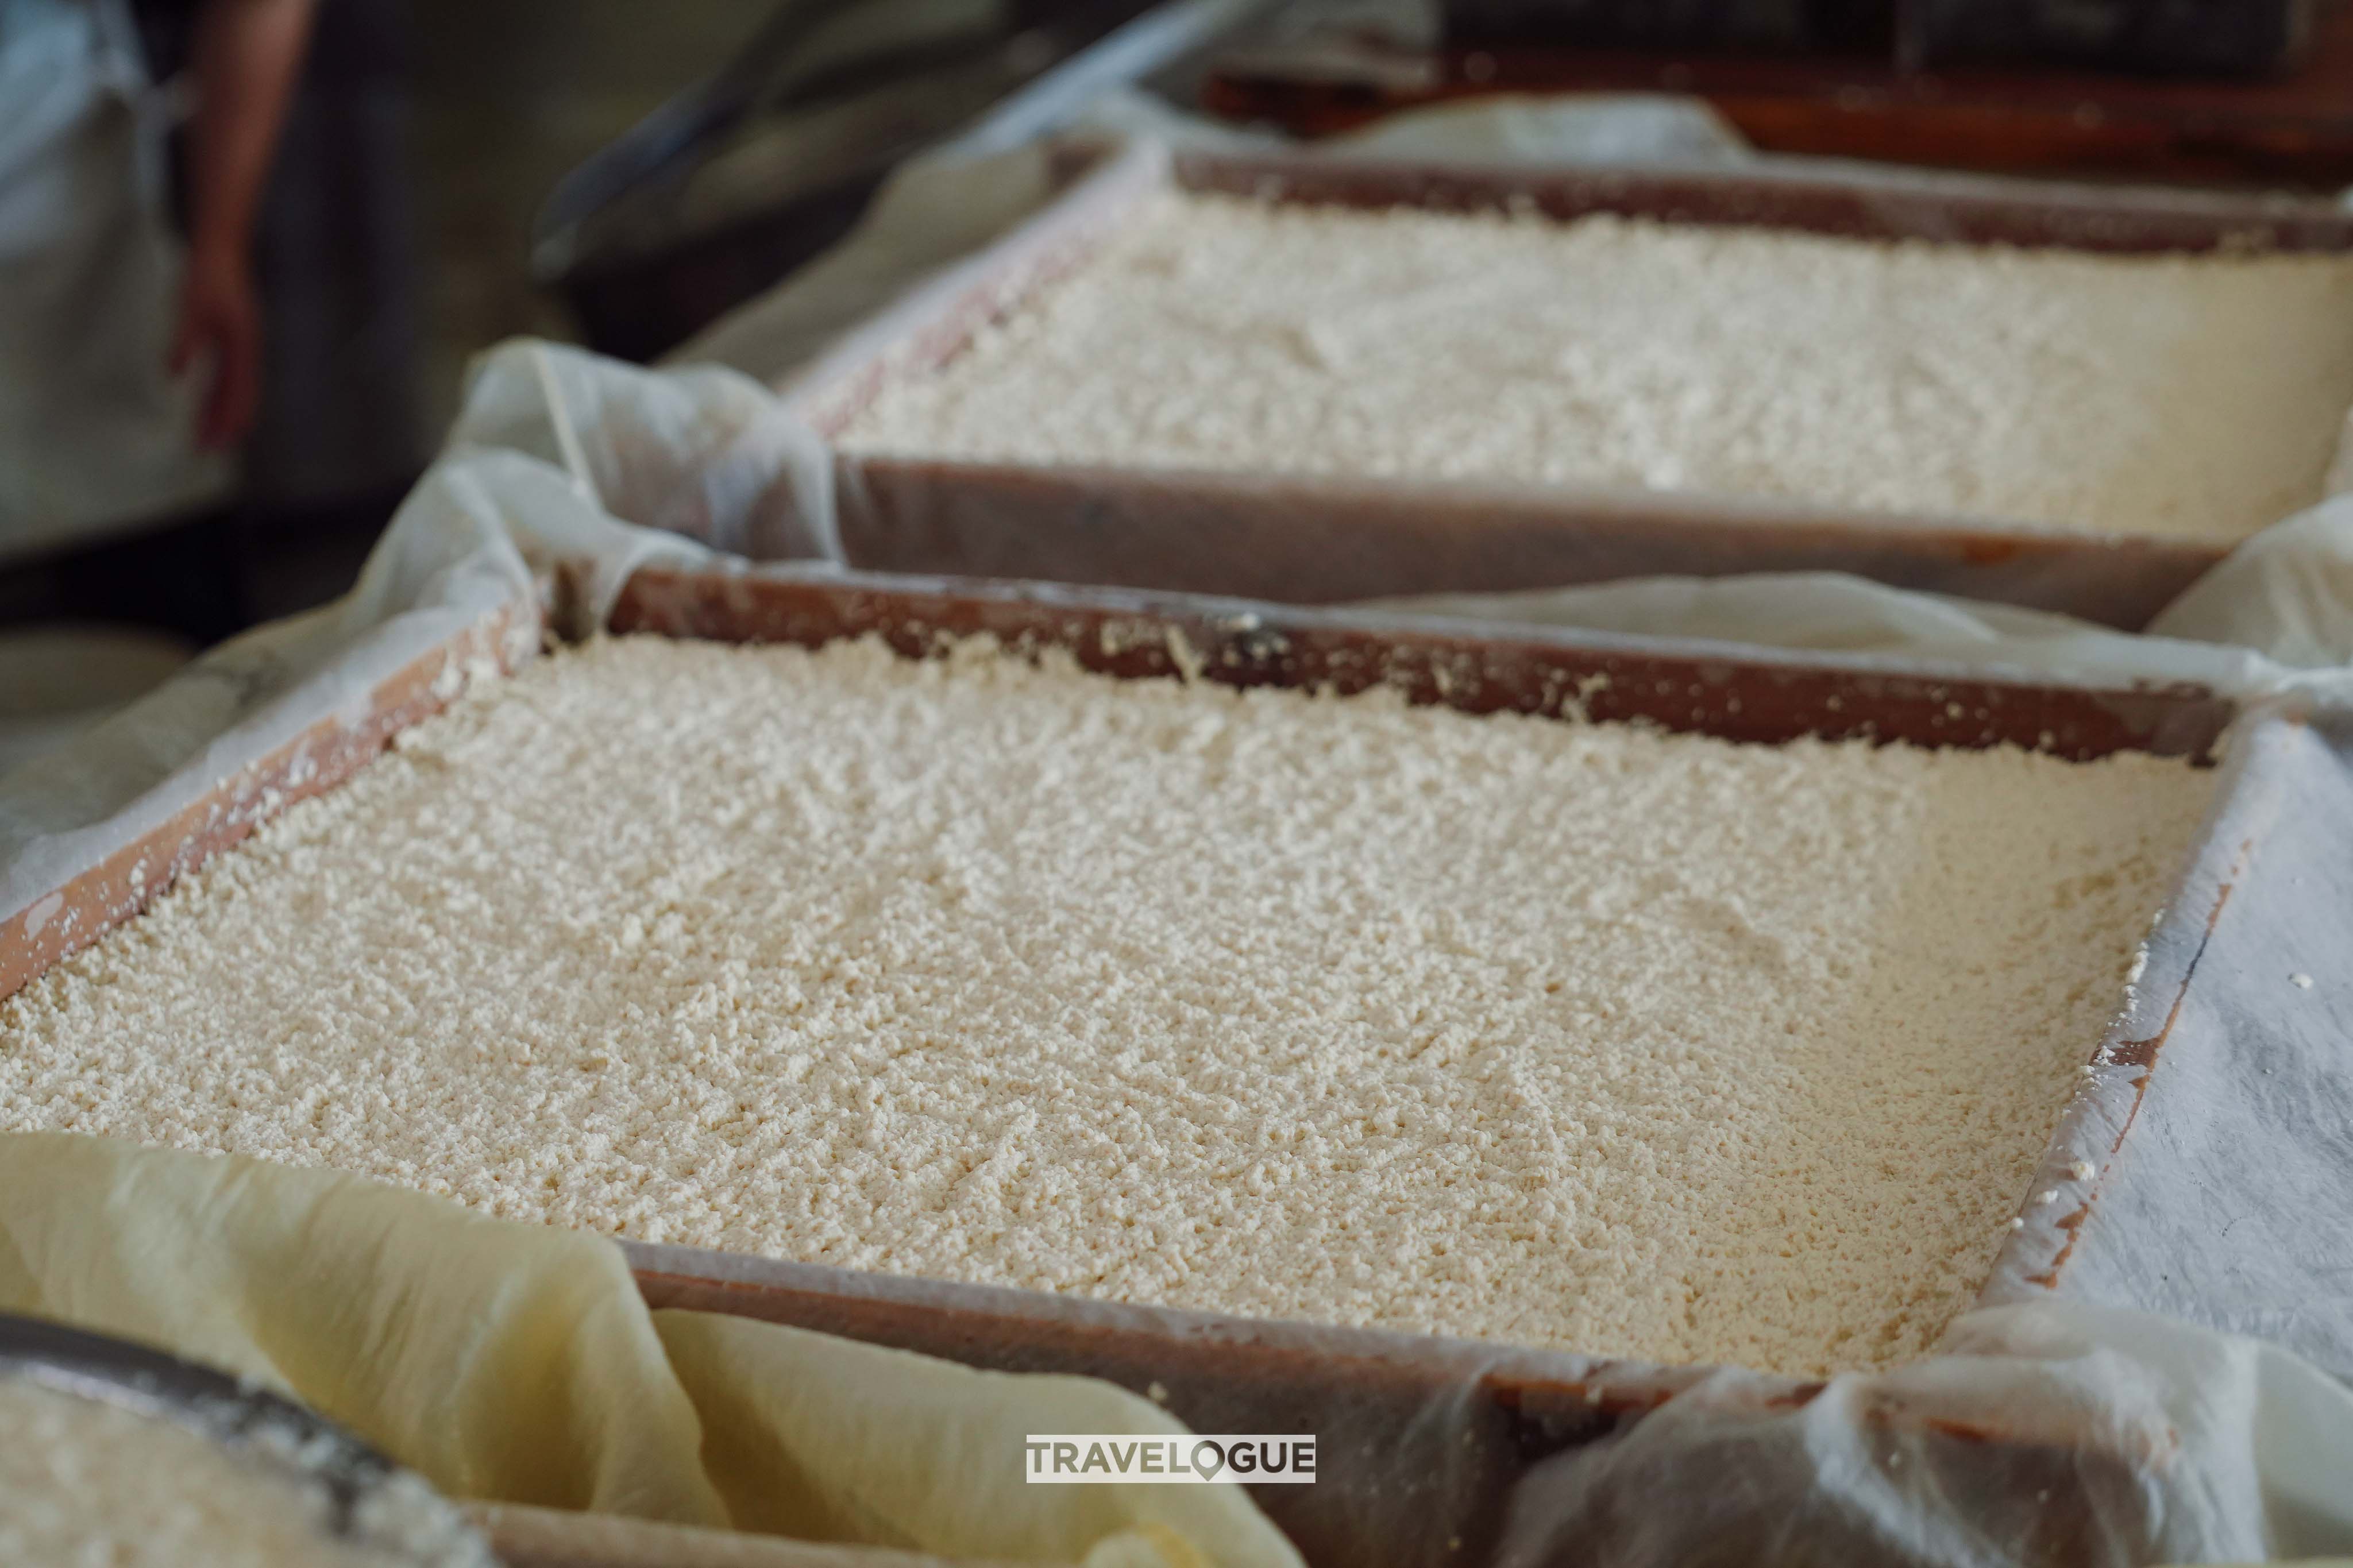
(394, 244)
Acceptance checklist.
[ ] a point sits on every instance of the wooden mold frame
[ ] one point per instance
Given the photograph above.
(1428, 1439)
(1317, 539)
(1424, 1441)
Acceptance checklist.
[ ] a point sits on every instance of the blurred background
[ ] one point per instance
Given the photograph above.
(393, 241)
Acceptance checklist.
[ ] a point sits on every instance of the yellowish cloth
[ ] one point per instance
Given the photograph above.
(517, 1363)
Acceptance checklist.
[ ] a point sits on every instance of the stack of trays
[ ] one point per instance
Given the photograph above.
(2183, 801)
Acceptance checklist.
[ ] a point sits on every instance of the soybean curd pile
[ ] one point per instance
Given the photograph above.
(989, 969)
(2198, 397)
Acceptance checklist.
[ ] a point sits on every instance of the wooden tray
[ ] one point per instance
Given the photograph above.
(1316, 540)
(1424, 1441)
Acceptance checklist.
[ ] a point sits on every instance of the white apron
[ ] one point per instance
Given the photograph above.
(95, 436)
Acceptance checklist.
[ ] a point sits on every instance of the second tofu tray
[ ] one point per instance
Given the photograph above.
(1318, 539)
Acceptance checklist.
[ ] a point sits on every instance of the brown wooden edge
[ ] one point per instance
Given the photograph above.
(1425, 1446)
(1734, 695)
(2098, 1121)
(1453, 1439)
(1316, 540)
(1944, 210)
